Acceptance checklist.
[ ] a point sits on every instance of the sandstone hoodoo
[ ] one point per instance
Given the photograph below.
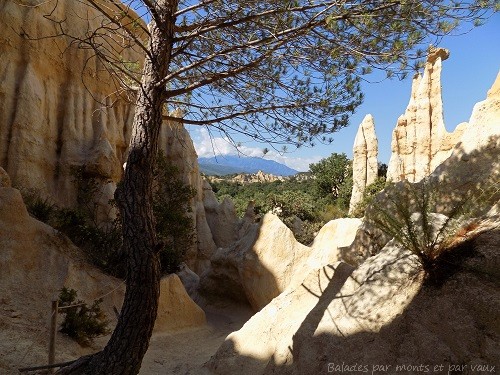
(36, 262)
(365, 162)
(420, 141)
(60, 114)
(382, 301)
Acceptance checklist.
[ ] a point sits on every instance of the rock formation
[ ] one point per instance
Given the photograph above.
(245, 178)
(75, 118)
(420, 141)
(365, 162)
(483, 129)
(475, 161)
(4, 178)
(268, 259)
(334, 300)
(473, 164)
(384, 306)
(332, 237)
(380, 313)
(176, 310)
(258, 267)
(221, 218)
(248, 178)
(178, 148)
(312, 302)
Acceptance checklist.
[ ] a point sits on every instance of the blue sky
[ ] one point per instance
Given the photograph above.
(466, 77)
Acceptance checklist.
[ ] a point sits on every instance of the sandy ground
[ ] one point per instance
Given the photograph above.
(186, 351)
(176, 352)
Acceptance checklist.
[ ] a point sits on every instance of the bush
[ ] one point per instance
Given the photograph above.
(293, 203)
(81, 322)
(171, 206)
(428, 218)
(40, 208)
(309, 231)
(102, 240)
(332, 211)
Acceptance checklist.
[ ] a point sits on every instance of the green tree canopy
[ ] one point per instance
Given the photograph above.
(278, 71)
(330, 174)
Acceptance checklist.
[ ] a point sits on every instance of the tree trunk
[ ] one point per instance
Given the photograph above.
(130, 340)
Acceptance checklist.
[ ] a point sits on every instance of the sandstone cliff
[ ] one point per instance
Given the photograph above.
(379, 309)
(60, 109)
(483, 128)
(268, 259)
(378, 314)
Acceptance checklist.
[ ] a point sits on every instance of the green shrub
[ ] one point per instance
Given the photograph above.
(331, 211)
(309, 231)
(171, 206)
(40, 208)
(102, 240)
(81, 322)
(293, 203)
(428, 218)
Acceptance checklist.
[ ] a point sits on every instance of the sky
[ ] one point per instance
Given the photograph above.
(466, 77)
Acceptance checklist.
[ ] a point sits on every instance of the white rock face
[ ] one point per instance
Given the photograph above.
(380, 313)
(222, 219)
(57, 110)
(483, 129)
(475, 160)
(365, 162)
(420, 141)
(259, 266)
(268, 260)
(176, 310)
(333, 236)
(37, 261)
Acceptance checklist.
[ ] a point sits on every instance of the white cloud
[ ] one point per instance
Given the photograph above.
(208, 146)
(297, 163)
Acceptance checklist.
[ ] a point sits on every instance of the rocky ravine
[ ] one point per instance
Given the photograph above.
(379, 310)
(318, 305)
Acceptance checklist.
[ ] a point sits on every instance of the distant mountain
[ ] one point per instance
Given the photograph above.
(212, 169)
(229, 164)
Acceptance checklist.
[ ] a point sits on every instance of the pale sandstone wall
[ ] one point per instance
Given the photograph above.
(60, 110)
(380, 303)
(57, 110)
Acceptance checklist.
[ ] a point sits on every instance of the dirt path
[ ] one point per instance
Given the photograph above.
(185, 352)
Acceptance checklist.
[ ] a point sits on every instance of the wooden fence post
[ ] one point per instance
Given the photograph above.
(53, 331)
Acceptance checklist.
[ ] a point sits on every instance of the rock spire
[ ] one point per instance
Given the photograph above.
(364, 164)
